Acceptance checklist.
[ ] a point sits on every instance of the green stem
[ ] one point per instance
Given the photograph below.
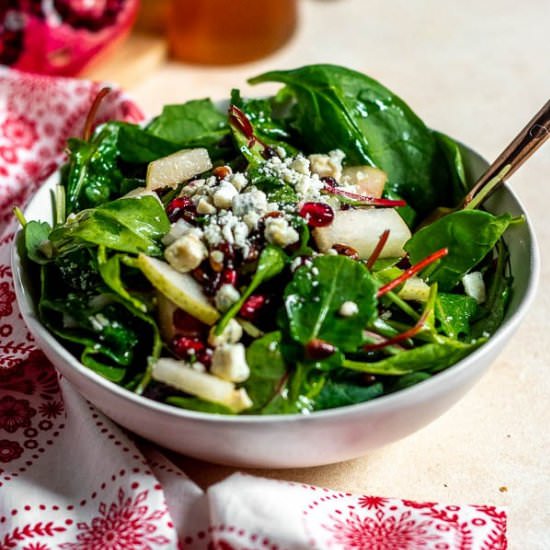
(487, 188)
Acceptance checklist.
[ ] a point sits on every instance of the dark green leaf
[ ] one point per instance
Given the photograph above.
(317, 291)
(36, 241)
(498, 295)
(454, 313)
(268, 371)
(339, 394)
(137, 145)
(132, 225)
(337, 108)
(193, 123)
(431, 357)
(109, 269)
(457, 175)
(469, 236)
(93, 176)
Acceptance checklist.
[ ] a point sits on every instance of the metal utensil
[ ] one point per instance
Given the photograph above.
(529, 139)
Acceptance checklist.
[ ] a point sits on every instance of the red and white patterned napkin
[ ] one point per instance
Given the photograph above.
(71, 479)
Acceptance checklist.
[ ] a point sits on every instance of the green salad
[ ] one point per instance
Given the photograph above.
(280, 255)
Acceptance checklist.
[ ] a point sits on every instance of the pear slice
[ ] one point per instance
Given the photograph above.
(182, 376)
(415, 289)
(178, 287)
(180, 166)
(361, 229)
(369, 180)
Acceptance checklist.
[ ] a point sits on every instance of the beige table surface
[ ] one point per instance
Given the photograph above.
(477, 70)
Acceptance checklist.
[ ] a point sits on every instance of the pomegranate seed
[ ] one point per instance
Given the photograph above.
(345, 250)
(187, 325)
(319, 349)
(252, 306)
(228, 251)
(331, 182)
(317, 214)
(184, 346)
(229, 277)
(204, 356)
(180, 207)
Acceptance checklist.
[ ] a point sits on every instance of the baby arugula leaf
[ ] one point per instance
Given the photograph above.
(271, 262)
(132, 224)
(315, 295)
(469, 235)
(337, 108)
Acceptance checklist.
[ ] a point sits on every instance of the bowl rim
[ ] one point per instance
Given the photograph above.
(380, 404)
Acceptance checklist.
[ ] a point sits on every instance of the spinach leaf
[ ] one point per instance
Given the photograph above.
(93, 176)
(132, 224)
(454, 313)
(431, 357)
(35, 236)
(273, 132)
(138, 146)
(191, 124)
(268, 372)
(498, 295)
(469, 236)
(110, 336)
(271, 262)
(317, 291)
(109, 269)
(341, 393)
(340, 108)
(457, 174)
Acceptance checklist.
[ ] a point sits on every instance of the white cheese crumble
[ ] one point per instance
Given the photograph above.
(229, 363)
(474, 286)
(279, 231)
(226, 296)
(328, 165)
(186, 253)
(348, 309)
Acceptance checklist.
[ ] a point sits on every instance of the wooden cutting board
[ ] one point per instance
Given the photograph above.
(130, 61)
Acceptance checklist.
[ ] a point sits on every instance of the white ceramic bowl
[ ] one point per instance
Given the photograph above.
(293, 440)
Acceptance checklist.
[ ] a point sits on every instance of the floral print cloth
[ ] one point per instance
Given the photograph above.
(71, 479)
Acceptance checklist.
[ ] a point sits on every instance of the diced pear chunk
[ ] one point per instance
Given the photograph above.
(178, 287)
(165, 313)
(229, 363)
(415, 289)
(369, 180)
(361, 229)
(182, 376)
(176, 168)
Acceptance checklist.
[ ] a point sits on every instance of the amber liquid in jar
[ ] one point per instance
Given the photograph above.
(229, 31)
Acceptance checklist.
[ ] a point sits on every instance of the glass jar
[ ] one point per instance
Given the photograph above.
(229, 31)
